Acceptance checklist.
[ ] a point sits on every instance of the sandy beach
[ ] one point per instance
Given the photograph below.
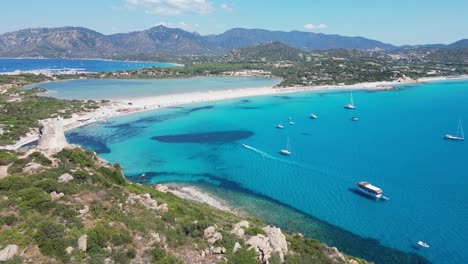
(134, 105)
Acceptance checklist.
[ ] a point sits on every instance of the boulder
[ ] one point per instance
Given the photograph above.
(161, 188)
(266, 246)
(239, 232)
(84, 211)
(242, 224)
(217, 250)
(69, 250)
(237, 246)
(352, 261)
(82, 243)
(55, 196)
(64, 178)
(209, 231)
(8, 253)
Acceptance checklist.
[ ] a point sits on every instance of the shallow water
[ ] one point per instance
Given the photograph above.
(124, 89)
(396, 144)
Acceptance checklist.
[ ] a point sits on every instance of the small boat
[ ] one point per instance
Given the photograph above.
(287, 150)
(422, 244)
(354, 118)
(279, 126)
(312, 116)
(459, 136)
(351, 103)
(369, 189)
(292, 123)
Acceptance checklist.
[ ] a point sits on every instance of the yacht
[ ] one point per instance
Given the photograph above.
(459, 135)
(354, 118)
(287, 150)
(292, 123)
(312, 116)
(351, 103)
(422, 244)
(369, 189)
(279, 126)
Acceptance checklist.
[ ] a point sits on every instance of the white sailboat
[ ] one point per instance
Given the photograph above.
(287, 150)
(313, 116)
(459, 136)
(351, 103)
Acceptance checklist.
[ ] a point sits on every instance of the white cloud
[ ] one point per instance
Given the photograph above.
(226, 7)
(171, 7)
(181, 25)
(312, 26)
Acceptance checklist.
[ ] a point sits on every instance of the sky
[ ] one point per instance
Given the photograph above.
(398, 22)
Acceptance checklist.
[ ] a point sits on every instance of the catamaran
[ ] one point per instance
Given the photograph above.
(312, 116)
(279, 125)
(287, 150)
(369, 189)
(459, 136)
(351, 103)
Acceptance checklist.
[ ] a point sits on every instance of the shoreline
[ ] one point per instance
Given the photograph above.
(122, 107)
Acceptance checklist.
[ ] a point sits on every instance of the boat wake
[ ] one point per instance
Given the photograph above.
(289, 162)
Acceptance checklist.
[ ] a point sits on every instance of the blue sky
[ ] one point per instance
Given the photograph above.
(397, 22)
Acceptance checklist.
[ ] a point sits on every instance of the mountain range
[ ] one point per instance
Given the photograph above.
(78, 42)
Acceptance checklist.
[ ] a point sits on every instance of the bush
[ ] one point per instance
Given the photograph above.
(13, 184)
(99, 236)
(34, 198)
(40, 159)
(7, 157)
(49, 238)
(8, 220)
(244, 256)
(48, 185)
(253, 231)
(77, 156)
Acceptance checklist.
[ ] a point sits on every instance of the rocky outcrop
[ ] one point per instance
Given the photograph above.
(146, 200)
(51, 135)
(8, 253)
(238, 229)
(64, 178)
(211, 235)
(266, 246)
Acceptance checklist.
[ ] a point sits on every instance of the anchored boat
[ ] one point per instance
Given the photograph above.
(369, 189)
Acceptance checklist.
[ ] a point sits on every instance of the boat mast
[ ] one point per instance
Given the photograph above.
(352, 101)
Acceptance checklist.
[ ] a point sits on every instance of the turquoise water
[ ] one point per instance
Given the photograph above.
(10, 65)
(118, 89)
(397, 145)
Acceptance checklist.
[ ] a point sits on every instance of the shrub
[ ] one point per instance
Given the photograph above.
(253, 231)
(6, 157)
(48, 185)
(34, 198)
(244, 256)
(49, 238)
(13, 184)
(8, 220)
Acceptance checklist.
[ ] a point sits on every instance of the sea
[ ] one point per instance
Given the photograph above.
(231, 149)
(80, 65)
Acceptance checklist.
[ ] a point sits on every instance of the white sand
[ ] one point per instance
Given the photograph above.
(122, 107)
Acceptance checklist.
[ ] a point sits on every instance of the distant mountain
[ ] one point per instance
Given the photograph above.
(163, 39)
(78, 42)
(274, 51)
(459, 44)
(56, 42)
(239, 37)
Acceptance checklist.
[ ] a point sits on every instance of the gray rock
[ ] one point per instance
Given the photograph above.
(242, 224)
(217, 250)
(84, 211)
(209, 231)
(82, 243)
(237, 246)
(69, 250)
(9, 252)
(65, 178)
(55, 196)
